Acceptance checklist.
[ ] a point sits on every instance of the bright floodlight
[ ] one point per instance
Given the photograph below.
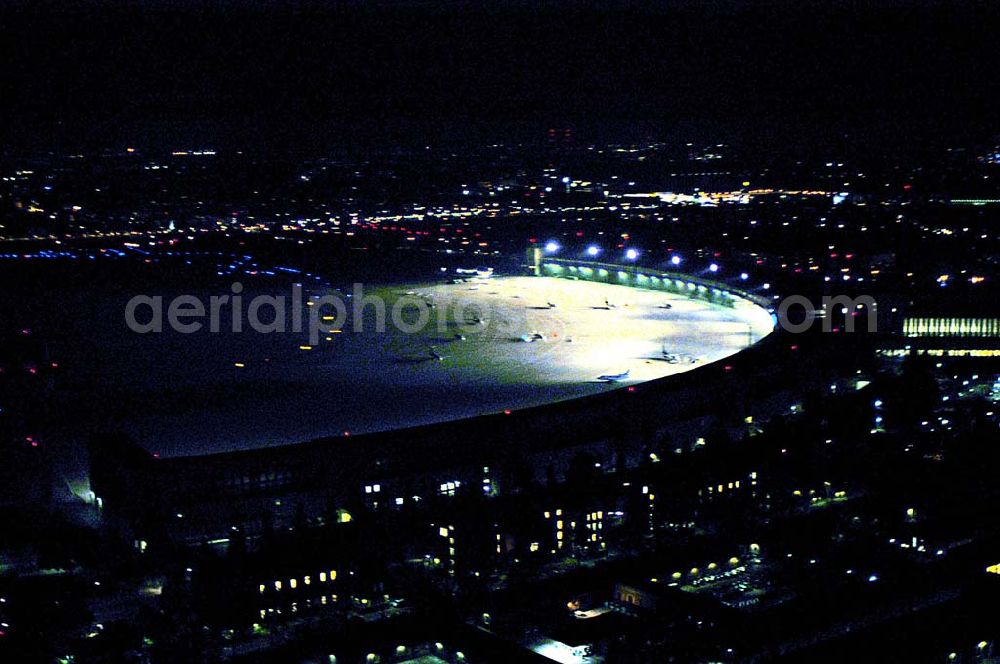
(744, 276)
(714, 267)
(552, 247)
(593, 250)
(632, 254)
(675, 260)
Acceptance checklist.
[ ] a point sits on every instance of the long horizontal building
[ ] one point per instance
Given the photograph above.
(208, 498)
(947, 334)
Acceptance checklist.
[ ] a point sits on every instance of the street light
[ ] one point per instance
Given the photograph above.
(714, 267)
(551, 247)
(593, 250)
(632, 254)
(675, 260)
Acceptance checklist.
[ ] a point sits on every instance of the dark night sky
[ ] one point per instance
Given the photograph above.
(768, 72)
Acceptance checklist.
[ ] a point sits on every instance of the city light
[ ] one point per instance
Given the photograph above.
(551, 247)
(714, 267)
(593, 250)
(632, 254)
(675, 260)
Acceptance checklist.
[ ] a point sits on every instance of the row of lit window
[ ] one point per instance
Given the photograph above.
(306, 580)
(322, 600)
(970, 327)
(942, 352)
(240, 484)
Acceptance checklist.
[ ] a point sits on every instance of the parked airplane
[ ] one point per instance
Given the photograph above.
(614, 378)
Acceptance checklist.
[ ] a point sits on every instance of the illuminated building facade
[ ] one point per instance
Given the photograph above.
(945, 336)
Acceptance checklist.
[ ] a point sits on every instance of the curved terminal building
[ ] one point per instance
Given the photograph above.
(452, 383)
